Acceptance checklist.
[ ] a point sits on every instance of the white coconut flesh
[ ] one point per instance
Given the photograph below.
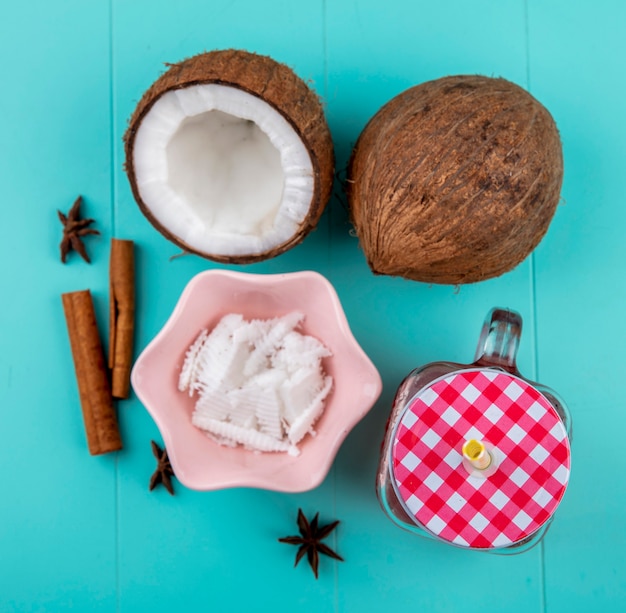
(222, 170)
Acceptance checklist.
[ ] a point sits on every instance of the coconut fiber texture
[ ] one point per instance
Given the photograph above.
(277, 85)
(455, 180)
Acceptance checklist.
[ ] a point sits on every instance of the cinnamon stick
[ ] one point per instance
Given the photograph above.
(121, 315)
(96, 402)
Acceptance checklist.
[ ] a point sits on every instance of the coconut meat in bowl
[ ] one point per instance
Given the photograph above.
(257, 383)
(347, 385)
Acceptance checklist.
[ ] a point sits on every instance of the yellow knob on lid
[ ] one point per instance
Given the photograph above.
(476, 454)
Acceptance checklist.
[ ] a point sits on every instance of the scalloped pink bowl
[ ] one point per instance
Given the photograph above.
(200, 463)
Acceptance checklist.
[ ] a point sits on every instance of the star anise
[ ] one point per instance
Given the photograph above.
(163, 473)
(310, 541)
(73, 229)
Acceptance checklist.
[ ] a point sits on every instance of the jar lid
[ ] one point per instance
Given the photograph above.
(529, 448)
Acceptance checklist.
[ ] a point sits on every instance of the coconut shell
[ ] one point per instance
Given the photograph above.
(455, 180)
(278, 86)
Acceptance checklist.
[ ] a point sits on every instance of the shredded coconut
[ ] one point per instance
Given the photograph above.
(258, 383)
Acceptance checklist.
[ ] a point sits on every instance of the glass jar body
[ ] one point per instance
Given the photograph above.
(496, 352)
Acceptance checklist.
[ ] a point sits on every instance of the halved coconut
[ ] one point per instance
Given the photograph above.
(229, 156)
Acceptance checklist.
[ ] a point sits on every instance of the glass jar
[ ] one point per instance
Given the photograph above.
(476, 455)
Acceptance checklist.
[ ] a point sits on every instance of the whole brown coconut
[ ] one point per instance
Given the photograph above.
(455, 180)
(229, 156)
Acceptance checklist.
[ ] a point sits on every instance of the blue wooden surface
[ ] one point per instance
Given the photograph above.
(84, 533)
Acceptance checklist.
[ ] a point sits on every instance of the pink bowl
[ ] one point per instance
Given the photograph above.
(200, 463)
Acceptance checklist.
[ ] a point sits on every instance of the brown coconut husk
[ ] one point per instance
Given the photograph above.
(455, 180)
(277, 85)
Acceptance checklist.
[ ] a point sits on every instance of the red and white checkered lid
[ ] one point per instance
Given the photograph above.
(529, 441)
